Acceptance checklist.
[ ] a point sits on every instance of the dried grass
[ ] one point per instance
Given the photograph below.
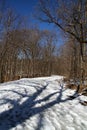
(82, 88)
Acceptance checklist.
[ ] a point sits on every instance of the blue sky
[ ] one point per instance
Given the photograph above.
(27, 8)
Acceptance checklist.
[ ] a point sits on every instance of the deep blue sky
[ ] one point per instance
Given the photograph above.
(27, 8)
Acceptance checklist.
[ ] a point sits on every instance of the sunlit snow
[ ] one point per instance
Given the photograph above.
(40, 104)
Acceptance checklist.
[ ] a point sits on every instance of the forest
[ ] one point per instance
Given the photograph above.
(32, 52)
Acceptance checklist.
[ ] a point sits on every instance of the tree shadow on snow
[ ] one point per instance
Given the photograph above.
(20, 112)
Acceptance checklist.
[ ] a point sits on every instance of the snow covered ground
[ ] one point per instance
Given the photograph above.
(40, 104)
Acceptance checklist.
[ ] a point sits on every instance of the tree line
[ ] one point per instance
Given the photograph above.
(31, 52)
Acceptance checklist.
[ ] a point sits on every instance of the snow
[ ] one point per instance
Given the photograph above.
(41, 104)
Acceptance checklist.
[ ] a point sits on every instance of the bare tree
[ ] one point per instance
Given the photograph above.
(9, 23)
(70, 16)
(49, 45)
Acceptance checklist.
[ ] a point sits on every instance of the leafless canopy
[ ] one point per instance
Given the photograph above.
(68, 15)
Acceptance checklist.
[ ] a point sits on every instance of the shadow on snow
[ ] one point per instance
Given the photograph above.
(20, 112)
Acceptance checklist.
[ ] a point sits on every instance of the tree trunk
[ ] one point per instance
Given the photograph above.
(82, 53)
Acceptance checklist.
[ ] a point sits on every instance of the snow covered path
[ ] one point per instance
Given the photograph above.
(40, 104)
